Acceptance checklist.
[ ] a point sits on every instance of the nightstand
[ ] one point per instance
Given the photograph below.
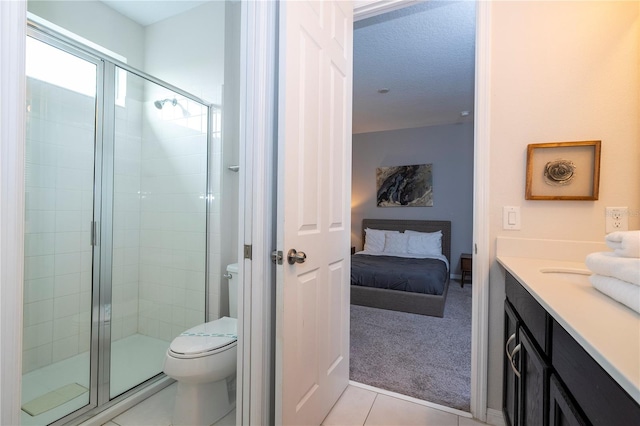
(465, 266)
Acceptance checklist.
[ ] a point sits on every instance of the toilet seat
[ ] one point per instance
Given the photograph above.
(205, 339)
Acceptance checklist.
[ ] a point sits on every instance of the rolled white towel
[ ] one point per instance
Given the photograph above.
(621, 291)
(608, 264)
(624, 243)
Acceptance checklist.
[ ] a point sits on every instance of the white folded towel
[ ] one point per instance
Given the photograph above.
(624, 243)
(621, 291)
(608, 264)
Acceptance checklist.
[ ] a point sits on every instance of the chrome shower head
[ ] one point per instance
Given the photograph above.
(160, 103)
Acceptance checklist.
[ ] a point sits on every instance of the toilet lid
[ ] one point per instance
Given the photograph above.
(206, 337)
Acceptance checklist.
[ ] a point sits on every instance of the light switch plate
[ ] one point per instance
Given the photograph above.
(511, 218)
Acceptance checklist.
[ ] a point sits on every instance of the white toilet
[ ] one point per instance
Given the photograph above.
(203, 361)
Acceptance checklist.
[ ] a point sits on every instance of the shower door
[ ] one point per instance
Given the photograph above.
(158, 209)
(115, 228)
(62, 158)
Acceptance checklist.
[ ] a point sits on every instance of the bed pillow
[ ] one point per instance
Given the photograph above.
(409, 231)
(396, 243)
(374, 239)
(424, 243)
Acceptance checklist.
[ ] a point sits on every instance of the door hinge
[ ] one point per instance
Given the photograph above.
(276, 257)
(247, 251)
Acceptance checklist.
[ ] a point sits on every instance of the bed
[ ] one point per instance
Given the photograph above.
(381, 280)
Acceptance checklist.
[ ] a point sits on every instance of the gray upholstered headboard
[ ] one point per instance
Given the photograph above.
(414, 225)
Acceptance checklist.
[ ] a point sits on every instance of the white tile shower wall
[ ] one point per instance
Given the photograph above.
(126, 218)
(172, 224)
(58, 214)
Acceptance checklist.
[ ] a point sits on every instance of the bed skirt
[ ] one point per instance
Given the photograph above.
(395, 300)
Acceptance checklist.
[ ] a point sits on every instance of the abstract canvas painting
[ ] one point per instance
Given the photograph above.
(404, 186)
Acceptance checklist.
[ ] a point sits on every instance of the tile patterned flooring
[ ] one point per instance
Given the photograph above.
(157, 410)
(358, 406)
(363, 406)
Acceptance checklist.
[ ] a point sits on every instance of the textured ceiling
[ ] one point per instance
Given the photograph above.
(424, 54)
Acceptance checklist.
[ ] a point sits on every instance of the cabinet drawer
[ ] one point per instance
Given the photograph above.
(601, 399)
(532, 314)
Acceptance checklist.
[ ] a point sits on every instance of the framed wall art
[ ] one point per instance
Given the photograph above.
(563, 171)
(404, 186)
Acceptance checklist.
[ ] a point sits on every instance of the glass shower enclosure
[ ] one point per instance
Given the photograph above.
(115, 227)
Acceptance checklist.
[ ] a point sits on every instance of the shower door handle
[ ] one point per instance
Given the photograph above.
(95, 234)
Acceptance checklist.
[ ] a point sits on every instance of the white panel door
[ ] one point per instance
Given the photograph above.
(314, 193)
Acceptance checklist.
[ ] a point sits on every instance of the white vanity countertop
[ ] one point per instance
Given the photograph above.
(606, 329)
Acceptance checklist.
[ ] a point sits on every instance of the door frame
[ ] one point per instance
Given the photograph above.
(257, 152)
(256, 298)
(13, 30)
(481, 222)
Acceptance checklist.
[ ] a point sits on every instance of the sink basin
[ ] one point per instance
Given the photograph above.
(568, 275)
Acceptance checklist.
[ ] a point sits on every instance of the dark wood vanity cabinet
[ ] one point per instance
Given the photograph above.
(549, 379)
(600, 398)
(510, 381)
(526, 366)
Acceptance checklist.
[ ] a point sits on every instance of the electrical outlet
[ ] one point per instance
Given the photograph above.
(616, 219)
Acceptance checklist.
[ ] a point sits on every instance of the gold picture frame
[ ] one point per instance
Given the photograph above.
(563, 171)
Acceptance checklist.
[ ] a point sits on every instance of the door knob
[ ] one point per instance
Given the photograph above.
(294, 256)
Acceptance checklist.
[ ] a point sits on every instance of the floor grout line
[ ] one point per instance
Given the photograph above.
(370, 409)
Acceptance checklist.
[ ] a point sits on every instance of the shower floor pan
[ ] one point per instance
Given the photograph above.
(57, 388)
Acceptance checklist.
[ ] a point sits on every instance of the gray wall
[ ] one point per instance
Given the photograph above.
(448, 148)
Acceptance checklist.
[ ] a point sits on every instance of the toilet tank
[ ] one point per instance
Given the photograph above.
(232, 275)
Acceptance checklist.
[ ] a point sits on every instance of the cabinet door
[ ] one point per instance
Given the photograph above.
(599, 396)
(534, 376)
(510, 380)
(562, 411)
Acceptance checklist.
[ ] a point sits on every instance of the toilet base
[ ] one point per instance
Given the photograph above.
(202, 404)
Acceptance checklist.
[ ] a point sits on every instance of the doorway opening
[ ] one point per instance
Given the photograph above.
(391, 129)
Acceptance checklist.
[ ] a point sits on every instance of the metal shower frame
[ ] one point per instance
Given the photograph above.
(100, 346)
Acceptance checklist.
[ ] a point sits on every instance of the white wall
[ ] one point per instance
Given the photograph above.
(560, 71)
(98, 23)
(188, 51)
(449, 148)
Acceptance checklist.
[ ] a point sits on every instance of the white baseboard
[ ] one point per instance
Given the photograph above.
(411, 399)
(494, 417)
